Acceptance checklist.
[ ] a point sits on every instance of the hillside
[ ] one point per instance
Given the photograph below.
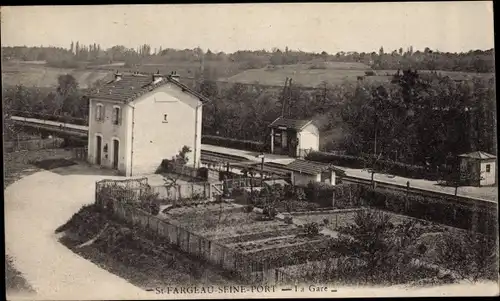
(308, 75)
(39, 75)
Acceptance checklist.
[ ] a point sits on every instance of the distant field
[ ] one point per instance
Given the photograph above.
(308, 75)
(184, 69)
(313, 74)
(39, 75)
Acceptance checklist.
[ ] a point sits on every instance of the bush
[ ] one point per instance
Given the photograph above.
(319, 193)
(248, 208)
(270, 212)
(312, 229)
(202, 173)
(234, 143)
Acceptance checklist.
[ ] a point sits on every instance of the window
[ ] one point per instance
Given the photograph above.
(488, 167)
(165, 118)
(116, 115)
(99, 113)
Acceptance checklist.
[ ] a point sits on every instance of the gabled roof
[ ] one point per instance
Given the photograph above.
(131, 86)
(295, 124)
(310, 168)
(478, 155)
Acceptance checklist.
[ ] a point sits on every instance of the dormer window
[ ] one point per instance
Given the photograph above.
(99, 113)
(116, 115)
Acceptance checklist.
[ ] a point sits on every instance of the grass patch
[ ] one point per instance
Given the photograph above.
(14, 280)
(20, 164)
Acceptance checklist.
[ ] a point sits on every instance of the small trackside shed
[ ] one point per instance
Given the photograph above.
(304, 172)
(478, 168)
(293, 137)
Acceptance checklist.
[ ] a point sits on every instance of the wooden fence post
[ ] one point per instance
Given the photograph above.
(210, 192)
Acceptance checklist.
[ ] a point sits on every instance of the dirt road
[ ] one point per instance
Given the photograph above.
(34, 207)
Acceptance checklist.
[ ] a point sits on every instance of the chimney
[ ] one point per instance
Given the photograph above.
(174, 76)
(157, 77)
(118, 76)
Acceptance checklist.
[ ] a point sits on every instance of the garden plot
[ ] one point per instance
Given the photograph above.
(335, 220)
(221, 221)
(273, 242)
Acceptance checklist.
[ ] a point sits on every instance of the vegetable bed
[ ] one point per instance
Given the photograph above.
(289, 255)
(221, 222)
(273, 242)
(259, 236)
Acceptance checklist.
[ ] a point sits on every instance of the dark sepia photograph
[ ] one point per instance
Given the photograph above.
(256, 150)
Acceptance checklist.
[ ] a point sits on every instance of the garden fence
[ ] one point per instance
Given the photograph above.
(128, 190)
(247, 268)
(235, 183)
(193, 191)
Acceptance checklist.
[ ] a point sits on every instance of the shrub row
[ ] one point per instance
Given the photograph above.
(432, 209)
(234, 143)
(392, 167)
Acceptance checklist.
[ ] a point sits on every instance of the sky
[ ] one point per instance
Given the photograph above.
(330, 27)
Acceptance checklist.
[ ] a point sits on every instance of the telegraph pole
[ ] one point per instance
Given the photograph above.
(289, 100)
(283, 98)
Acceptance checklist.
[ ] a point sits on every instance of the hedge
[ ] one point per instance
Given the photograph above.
(436, 209)
(234, 143)
(346, 195)
(392, 167)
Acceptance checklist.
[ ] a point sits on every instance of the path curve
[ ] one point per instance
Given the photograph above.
(34, 207)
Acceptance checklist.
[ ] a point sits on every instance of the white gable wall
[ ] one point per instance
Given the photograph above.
(155, 139)
(308, 138)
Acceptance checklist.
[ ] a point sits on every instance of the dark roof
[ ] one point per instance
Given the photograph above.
(478, 155)
(132, 86)
(296, 124)
(309, 167)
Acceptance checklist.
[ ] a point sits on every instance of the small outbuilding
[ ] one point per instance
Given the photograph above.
(478, 168)
(293, 137)
(304, 172)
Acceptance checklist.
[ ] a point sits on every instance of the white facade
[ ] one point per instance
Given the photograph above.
(302, 179)
(153, 127)
(308, 139)
(488, 173)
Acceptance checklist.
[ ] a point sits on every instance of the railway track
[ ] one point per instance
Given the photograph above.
(210, 156)
(448, 197)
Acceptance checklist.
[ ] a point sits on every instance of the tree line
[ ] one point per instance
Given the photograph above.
(481, 61)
